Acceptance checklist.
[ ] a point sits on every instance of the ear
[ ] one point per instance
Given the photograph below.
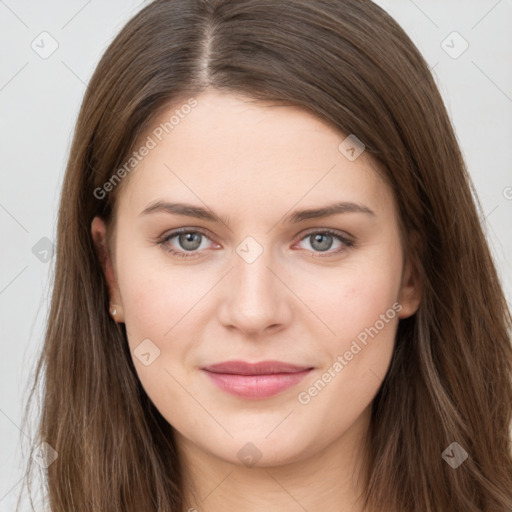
(99, 232)
(410, 289)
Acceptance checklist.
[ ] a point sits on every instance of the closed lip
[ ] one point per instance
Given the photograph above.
(258, 368)
(255, 380)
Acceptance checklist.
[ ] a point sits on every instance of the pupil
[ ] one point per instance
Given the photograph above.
(187, 241)
(324, 246)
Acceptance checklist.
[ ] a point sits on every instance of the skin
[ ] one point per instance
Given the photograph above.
(254, 163)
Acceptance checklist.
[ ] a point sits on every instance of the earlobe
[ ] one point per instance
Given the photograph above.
(98, 233)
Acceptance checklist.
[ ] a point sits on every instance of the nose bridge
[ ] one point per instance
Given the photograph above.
(256, 298)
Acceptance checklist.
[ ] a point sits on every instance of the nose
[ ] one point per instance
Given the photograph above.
(255, 299)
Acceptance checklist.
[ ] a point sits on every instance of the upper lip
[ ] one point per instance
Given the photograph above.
(260, 368)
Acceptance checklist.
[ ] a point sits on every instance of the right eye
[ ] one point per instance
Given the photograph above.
(190, 241)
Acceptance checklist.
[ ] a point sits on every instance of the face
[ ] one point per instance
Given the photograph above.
(262, 274)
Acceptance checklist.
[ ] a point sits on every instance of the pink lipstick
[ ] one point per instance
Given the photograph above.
(255, 380)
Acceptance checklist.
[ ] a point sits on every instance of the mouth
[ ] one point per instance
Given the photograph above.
(255, 380)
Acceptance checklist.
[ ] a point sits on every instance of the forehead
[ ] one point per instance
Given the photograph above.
(234, 151)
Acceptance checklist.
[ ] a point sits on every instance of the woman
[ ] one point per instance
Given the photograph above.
(272, 286)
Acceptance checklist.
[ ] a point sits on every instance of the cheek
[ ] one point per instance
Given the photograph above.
(353, 297)
(155, 304)
(162, 307)
(155, 295)
(357, 358)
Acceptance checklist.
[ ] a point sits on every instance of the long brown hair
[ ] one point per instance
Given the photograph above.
(352, 65)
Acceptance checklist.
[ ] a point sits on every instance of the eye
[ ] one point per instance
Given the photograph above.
(189, 242)
(322, 241)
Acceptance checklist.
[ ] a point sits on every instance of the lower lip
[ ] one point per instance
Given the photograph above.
(256, 386)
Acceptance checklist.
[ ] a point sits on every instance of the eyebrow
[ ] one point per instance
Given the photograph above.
(295, 217)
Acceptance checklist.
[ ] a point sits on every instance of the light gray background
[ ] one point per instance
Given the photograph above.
(40, 98)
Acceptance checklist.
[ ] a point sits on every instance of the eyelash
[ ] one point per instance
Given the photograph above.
(348, 244)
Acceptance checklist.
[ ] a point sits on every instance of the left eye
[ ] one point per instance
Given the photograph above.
(322, 241)
(190, 242)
